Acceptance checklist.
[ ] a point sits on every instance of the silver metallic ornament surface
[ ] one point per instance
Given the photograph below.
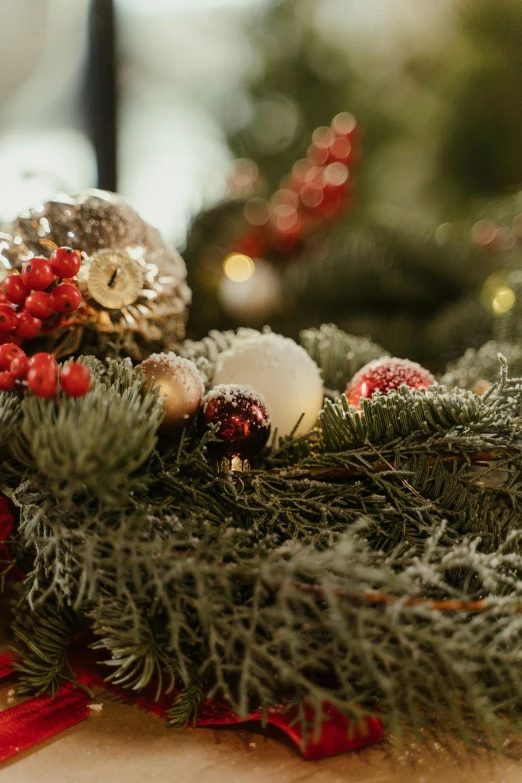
(134, 286)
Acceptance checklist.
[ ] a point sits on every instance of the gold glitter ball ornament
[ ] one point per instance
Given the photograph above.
(134, 287)
(180, 383)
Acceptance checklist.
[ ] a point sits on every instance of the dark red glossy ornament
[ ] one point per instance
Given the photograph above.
(385, 375)
(244, 425)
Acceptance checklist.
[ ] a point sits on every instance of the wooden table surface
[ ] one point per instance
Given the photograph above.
(122, 744)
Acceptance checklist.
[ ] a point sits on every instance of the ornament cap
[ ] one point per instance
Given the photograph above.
(233, 464)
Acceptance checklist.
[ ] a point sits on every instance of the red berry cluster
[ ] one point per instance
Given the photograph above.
(318, 189)
(43, 288)
(41, 373)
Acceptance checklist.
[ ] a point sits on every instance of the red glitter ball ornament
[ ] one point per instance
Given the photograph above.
(244, 424)
(385, 375)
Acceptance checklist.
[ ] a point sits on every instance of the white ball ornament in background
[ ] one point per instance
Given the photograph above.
(254, 297)
(280, 370)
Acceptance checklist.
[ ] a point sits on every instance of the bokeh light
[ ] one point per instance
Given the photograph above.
(344, 123)
(238, 267)
(276, 120)
(497, 295)
(503, 300)
(257, 211)
(256, 299)
(483, 232)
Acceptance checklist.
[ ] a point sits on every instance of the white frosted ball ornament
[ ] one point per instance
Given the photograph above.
(280, 370)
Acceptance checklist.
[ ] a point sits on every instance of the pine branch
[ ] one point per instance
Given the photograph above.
(187, 704)
(134, 645)
(265, 588)
(42, 638)
(482, 364)
(9, 417)
(339, 355)
(287, 623)
(93, 443)
(406, 412)
(341, 472)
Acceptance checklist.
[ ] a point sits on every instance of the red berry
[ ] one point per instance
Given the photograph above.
(27, 326)
(37, 274)
(14, 288)
(65, 262)
(38, 304)
(65, 298)
(385, 375)
(19, 366)
(6, 381)
(8, 352)
(45, 360)
(43, 381)
(75, 379)
(7, 318)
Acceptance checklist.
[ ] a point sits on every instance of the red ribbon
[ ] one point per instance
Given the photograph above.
(37, 719)
(335, 734)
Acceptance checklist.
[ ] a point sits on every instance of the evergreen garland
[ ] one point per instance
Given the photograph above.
(373, 563)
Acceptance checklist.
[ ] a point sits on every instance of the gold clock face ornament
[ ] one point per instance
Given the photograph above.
(114, 280)
(134, 286)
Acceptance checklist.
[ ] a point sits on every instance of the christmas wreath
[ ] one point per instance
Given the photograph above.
(245, 525)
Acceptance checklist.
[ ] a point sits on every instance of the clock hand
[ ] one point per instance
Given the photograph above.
(114, 277)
